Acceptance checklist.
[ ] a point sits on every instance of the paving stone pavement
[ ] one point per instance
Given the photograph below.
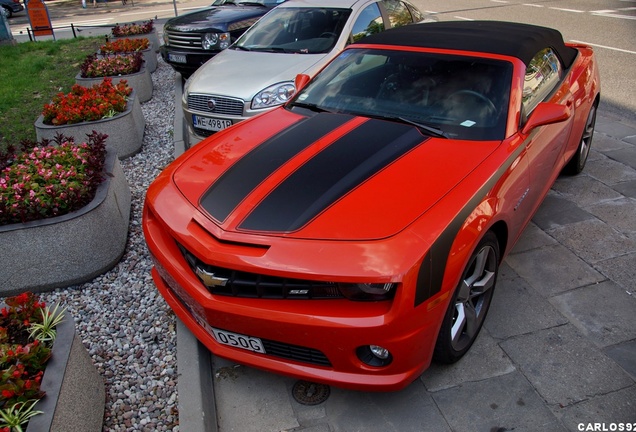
(557, 351)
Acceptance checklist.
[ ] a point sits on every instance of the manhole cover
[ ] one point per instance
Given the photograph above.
(308, 393)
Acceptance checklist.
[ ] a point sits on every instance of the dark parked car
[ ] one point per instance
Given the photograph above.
(192, 39)
(11, 6)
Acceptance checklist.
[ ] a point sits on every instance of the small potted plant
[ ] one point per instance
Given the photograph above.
(127, 45)
(117, 66)
(134, 30)
(112, 109)
(64, 212)
(31, 356)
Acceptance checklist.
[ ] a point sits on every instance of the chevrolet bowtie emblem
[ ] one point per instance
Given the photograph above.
(208, 278)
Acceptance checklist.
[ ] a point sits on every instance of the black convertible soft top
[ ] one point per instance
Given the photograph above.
(497, 37)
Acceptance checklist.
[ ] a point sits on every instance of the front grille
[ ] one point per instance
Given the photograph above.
(252, 285)
(188, 40)
(221, 105)
(297, 353)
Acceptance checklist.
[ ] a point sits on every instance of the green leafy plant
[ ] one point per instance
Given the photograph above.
(133, 29)
(125, 45)
(111, 65)
(27, 333)
(87, 103)
(45, 331)
(50, 178)
(17, 415)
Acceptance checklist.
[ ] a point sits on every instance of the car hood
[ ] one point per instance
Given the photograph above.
(322, 176)
(215, 17)
(242, 74)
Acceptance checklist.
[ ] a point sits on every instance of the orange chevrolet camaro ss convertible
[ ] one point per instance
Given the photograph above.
(355, 234)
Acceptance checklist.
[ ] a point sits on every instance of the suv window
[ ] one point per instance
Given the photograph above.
(399, 14)
(542, 76)
(369, 22)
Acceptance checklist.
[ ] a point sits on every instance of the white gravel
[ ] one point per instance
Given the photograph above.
(124, 323)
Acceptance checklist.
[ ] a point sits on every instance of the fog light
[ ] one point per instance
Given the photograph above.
(378, 351)
(374, 355)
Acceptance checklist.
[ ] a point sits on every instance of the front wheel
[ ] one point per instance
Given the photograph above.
(469, 305)
(577, 163)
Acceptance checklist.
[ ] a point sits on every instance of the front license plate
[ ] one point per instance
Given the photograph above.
(177, 58)
(211, 124)
(238, 340)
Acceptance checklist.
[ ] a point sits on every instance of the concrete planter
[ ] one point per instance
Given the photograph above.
(70, 249)
(150, 58)
(75, 395)
(152, 37)
(140, 82)
(125, 131)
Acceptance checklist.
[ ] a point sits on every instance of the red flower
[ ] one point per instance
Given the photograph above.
(7, 394)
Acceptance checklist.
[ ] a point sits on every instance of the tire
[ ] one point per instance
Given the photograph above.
(8, 12)
(577, 163)
(470, 302)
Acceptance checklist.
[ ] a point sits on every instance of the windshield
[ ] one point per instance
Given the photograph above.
(455, 96)
(295, 30)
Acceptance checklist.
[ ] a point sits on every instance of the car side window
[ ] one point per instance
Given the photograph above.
(368, 22)
(542, 76)
(399, 14)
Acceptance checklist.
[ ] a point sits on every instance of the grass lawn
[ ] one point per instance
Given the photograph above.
(32, 73)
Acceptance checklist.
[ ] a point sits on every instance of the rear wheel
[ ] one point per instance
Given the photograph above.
(469, 305)
(577, 163)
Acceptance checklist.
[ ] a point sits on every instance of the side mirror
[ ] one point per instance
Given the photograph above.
(547, 113)
(301, 81)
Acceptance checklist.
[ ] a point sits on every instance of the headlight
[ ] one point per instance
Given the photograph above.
(274, 95)
(215, 41)
(368, 291)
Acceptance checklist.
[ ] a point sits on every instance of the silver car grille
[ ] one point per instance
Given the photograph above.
(220, 105)
(179, 39)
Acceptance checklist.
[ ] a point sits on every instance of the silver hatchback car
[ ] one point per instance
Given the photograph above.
(257, 72)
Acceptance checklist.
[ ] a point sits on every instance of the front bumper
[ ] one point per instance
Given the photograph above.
(195, 135)
(193, 59)
(318, 329)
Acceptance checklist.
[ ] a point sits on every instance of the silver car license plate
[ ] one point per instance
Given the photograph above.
(238, 340)
(177, 58)
(211, 124)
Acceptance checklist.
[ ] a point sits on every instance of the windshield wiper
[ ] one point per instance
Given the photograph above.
(430, 130)
(271, 49)
(252, 4)
(242, 48)
(312, 107)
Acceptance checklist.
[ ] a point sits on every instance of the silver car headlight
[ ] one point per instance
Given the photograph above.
(215, 41)
(276, 94)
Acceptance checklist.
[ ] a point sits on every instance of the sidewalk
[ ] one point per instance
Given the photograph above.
(557, 351)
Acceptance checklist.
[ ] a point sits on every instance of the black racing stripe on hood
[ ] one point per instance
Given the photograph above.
(331, 174)
(247, 173)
